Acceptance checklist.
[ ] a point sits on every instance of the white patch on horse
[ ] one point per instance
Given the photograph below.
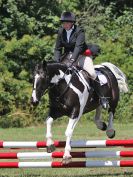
(36, 78)
(34, 96)
(56, 78)
(34, 91)
(67, 78)
(83, 96)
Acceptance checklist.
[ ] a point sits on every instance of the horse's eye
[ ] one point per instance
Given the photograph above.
(42, 75)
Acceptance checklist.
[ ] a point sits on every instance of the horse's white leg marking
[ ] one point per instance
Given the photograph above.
(49, 122)
(34, 91)
(110, 123)
(69, 131)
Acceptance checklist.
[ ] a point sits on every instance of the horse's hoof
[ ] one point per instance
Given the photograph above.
(110, 133)
(51, 148)
(101, 125)
(66, 160)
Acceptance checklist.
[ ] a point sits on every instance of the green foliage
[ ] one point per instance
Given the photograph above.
(28, 17)
(27, 36)
(22, 54)
(40, 114)
(124, 112)
(18, 58)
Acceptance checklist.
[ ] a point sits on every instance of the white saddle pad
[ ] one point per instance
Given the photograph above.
(102, 78)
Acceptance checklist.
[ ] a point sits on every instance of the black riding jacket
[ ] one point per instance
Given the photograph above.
(76, 43)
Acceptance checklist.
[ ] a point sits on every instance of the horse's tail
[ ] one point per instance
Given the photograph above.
(120, 76)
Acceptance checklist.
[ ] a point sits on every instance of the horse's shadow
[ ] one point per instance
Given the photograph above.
(129, 174)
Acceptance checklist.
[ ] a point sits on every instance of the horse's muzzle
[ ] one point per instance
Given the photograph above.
(34, 103)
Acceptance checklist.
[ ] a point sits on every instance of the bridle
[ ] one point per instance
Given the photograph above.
(47, 82)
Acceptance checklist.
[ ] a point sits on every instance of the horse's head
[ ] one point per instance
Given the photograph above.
(40, 83)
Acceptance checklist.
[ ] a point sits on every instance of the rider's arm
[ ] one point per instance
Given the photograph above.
(58, 48)
(79, 44)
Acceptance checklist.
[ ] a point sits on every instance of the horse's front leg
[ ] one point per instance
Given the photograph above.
(69, 132)
(50, 143)
(110, 130)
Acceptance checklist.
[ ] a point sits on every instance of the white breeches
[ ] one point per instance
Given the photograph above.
(87, 64)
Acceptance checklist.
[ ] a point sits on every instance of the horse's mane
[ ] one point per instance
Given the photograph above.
(53, 64)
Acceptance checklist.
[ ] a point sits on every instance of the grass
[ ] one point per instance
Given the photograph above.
(84, 130)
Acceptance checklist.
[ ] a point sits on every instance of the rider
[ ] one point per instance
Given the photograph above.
(71, 39)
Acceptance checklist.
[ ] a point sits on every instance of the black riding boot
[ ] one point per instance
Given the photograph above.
(98, 89)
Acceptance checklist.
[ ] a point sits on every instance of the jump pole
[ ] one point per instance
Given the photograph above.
(86, 164)
(45, 155)
(74, 144)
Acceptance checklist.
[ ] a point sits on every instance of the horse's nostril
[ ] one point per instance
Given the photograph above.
(34, 103)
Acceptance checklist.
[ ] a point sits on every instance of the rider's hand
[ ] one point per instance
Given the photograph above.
(71, 61)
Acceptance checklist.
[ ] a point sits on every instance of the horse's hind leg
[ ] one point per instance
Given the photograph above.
(98, 121)
(50, 143)
(110, 130)
(113, 104)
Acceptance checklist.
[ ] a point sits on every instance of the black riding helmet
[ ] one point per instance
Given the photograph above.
(67, 17)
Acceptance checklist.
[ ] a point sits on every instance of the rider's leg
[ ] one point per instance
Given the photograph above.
(89, 67)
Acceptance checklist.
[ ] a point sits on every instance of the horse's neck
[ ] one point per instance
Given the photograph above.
(54, 67)
(56, 72)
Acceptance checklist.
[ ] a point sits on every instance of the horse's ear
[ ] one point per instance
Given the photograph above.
(44, 64)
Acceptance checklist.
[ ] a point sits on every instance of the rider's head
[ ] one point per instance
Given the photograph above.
(67, 19)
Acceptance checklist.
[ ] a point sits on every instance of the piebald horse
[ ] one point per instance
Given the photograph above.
(71, 94)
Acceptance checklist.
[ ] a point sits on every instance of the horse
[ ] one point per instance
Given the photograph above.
(71, 94)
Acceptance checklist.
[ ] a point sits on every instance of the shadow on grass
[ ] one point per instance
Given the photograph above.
(129, 174)
(122, 174)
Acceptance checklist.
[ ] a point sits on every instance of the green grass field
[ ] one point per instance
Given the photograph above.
(84, 130)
